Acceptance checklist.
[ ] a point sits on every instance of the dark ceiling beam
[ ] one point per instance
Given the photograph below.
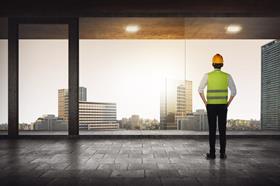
(142, 8)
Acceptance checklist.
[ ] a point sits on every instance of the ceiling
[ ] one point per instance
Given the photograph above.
(140, 8)
(155, 28)
(214, 28)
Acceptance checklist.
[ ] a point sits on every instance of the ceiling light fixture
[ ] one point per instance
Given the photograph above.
(132, 28)
(233, 29)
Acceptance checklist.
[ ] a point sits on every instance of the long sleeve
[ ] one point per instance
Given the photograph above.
(232, 86)
(203, 83)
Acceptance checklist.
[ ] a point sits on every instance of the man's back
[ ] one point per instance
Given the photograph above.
(217, 87)
(217, 103)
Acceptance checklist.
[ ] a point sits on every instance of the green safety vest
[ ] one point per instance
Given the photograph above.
(217, 87)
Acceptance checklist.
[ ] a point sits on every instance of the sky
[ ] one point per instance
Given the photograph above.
(130, 73)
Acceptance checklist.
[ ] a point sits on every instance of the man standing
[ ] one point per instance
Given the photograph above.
(217, 102)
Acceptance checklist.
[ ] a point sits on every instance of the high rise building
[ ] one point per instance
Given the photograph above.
(270, 86)
(175, 101)
(63, 101)
(184, 99)
(92, 115)
(63, 104)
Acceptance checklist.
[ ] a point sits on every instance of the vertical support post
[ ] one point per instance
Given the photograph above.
(13, 65)
(73, 77)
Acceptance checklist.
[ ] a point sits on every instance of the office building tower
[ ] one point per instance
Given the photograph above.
(63, 104)
(175, 101)
(270, 86)
(184, 99)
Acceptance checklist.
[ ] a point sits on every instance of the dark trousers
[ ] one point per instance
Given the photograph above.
(215, 112)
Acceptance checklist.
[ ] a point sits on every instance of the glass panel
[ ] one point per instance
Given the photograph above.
(43, 79)
(124, 78)
(3, 77)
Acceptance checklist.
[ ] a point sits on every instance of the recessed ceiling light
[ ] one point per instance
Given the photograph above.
(132, 28)
(233, 29)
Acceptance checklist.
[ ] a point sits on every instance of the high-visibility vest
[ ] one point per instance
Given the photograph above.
(217, 87)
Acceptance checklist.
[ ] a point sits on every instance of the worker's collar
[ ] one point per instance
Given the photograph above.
(217, 69)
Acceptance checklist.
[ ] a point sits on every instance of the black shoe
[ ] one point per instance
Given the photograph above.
(210, 156)
(223, 156)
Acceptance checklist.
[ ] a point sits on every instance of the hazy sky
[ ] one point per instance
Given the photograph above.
(130, 72)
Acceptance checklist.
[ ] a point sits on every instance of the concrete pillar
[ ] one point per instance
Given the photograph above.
(73, 128)
(13, 78)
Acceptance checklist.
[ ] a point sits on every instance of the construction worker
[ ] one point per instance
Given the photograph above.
(217, 103)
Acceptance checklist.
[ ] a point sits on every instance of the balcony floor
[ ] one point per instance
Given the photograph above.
(137, 162)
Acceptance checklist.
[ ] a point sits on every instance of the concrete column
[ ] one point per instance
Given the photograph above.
(13, 78)
(73, 77)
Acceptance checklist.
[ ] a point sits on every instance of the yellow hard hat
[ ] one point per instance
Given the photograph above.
(217, 59)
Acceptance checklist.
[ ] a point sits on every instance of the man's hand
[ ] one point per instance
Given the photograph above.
(230, 100)
(205, 103)
(203, 98)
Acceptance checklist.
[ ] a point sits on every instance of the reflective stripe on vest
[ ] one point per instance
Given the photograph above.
(217, 90)
(217, 87)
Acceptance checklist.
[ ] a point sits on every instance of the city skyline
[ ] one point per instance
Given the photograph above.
(138, 93)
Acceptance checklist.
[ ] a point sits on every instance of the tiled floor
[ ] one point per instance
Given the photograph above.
(137, 162)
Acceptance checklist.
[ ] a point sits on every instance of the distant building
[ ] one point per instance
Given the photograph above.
(240, 124)
(195, 121)
(135, 122)
(25, 126)
(82, 94)
(175, 102)
(92, 115)
(96, 115)
(50, 123)
(149, 124)
(21, 126)
(184, 99)
(270, 86)
(63, 99)
(4, 126)
(124, 123)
